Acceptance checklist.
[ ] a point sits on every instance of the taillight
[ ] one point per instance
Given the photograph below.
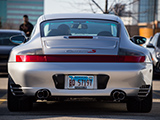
(79, 58)
(124, 55)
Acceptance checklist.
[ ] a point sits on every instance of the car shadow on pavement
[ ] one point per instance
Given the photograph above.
(78, 108)
(82, 109)
(156, 77)
(5, 75)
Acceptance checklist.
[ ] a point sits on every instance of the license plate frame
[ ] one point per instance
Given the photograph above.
(80, 82)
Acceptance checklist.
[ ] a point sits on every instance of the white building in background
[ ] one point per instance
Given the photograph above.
(127, 20)
(12, 11)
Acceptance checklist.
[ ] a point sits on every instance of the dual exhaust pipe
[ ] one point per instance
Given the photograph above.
(43, 94)
(118, 95)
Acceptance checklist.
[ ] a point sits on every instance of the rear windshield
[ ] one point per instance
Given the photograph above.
(4, 38)
(79, 27)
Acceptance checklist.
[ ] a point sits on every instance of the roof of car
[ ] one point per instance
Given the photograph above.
(8, 30)
(79, 15)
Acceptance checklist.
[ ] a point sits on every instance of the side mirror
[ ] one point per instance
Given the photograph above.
(18, 39)
(150, 45)
(138, 40)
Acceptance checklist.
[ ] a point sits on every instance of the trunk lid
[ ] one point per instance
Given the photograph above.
(97, 45)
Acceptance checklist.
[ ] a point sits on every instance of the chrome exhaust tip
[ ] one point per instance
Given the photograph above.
(43, 94)
(118, 95)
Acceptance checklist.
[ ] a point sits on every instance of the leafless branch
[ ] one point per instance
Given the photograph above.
(98, 6)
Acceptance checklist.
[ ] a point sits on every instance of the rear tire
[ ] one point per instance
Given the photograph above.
(137, 105)
(18, 103)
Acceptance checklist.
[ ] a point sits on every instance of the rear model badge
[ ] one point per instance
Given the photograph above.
(92, 51)
(81, 51)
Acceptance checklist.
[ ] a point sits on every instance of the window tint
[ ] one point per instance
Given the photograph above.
(79, 27)
(4, 38)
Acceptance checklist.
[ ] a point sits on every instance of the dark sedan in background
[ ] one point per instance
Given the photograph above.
(5, 46)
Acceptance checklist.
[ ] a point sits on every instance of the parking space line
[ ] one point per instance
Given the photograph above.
(3, 99)
(156, 93)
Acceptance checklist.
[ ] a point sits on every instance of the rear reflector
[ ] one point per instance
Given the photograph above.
(85, 37)
(79, 58)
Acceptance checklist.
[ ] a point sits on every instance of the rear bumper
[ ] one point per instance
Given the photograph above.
(128, 77)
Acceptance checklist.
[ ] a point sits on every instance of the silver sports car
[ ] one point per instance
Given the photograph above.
(79, 55)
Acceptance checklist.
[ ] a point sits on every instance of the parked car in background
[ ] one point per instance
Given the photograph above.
(79, 55)
(154, 47)
(139, 40)
(6, 45)
(147, 42)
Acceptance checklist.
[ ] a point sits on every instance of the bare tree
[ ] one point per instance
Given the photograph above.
(98, 6)
(117, 7)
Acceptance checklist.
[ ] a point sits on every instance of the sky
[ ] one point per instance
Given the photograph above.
(76, 6)
(71, 6)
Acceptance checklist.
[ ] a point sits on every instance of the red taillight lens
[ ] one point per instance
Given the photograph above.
(30, 58)
(79, 58)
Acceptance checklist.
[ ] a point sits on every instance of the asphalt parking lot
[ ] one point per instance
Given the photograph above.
(77, 110)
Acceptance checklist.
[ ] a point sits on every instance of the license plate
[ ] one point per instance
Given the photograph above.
(80, 82)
